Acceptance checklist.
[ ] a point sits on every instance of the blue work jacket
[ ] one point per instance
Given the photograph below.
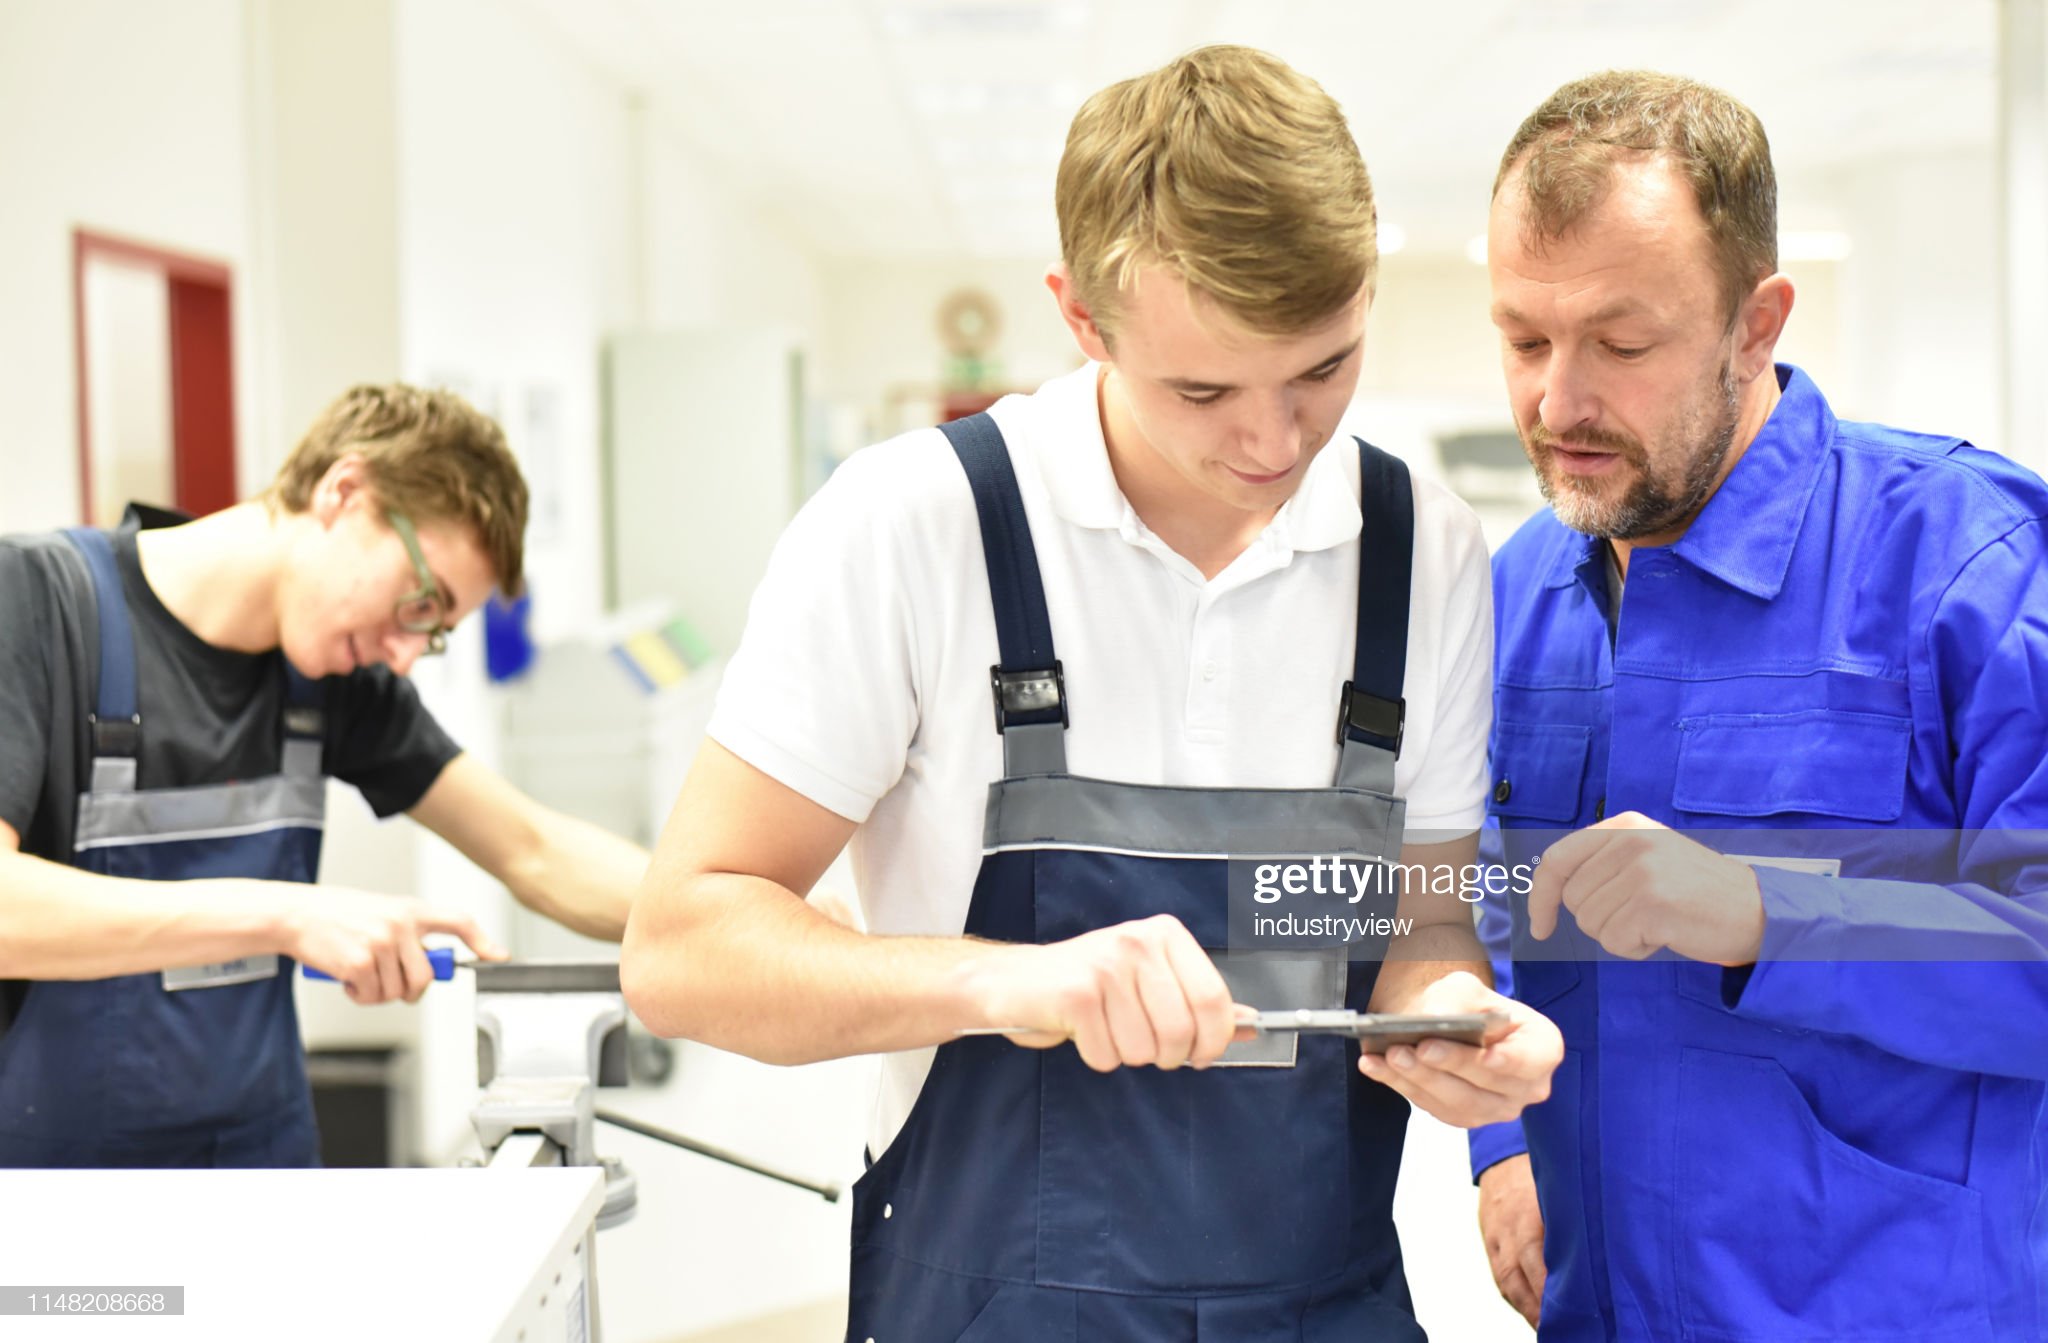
(1847, 1139)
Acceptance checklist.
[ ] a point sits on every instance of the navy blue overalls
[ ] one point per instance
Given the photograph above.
(194, 1066)
(1028, 1197)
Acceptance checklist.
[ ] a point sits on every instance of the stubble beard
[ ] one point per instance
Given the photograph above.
(1649, 505)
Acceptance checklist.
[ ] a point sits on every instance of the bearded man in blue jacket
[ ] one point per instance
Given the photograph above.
(1801, 1099)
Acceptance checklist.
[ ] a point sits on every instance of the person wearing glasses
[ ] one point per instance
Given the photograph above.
(173, 694)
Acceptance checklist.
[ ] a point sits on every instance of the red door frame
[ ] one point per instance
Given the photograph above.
(201, 302)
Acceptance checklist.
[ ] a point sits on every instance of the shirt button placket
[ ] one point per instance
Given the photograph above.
(1207, 682)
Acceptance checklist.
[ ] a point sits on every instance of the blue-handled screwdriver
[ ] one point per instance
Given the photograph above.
(441, 958)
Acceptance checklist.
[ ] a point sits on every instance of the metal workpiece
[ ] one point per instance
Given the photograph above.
(1384, 1027)
(546, 976)
(1306, 1021)
(525, 1151)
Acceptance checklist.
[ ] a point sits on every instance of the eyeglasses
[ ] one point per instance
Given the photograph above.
(420, 611)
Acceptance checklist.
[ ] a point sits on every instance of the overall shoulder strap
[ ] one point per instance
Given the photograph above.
(1373, 712)
(1028, 685)
(116, 722)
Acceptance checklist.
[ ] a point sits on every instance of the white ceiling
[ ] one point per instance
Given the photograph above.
(933, 127)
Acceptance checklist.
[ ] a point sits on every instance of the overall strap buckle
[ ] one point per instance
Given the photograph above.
(1030, 696)
(116, 736)
(1371, 719)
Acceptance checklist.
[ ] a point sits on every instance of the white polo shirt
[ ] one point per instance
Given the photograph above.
(862, 680)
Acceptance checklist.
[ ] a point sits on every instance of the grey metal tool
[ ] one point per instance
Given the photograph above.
(1386, 1028)
(1380, 1029)
(826, 1190)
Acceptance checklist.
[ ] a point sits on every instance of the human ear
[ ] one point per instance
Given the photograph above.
(347, 479)
(1760, 322)
(1075, 313)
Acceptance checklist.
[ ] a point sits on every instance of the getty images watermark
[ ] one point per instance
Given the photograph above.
(1337, 900)
(1864, 894)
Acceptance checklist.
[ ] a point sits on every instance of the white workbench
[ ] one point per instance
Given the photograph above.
(441, 1256)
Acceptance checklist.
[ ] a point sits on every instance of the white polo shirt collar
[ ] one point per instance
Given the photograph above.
(1323, 511)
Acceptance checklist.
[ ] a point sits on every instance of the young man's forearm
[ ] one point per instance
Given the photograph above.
(580, 875)
(59, 922)
(755, 970)
(1441, 939)
(1423, 956)
(567, 869)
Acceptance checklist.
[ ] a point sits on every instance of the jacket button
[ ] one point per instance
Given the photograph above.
(1600, 810)
(1503, 790)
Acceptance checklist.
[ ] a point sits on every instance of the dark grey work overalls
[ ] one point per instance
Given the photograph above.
(1029, 1198)
(195, 1066)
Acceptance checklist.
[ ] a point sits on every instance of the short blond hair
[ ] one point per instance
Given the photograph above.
(1230, 169)
(1566, 151)
(429, 454)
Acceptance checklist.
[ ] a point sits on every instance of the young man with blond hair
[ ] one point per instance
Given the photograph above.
(1786, 672)
(173, 694)
(1050, 670)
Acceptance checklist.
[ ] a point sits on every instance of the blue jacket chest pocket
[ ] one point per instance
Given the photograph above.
(1833, 763)
(1539, 773)
(1804, 774)
(1539, 782)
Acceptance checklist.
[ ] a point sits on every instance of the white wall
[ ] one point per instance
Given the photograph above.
(1428, 334)
(713, 257)
(1919, 297)
(881, 331)
(513, 163)
(121, 118)
(324, 246)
